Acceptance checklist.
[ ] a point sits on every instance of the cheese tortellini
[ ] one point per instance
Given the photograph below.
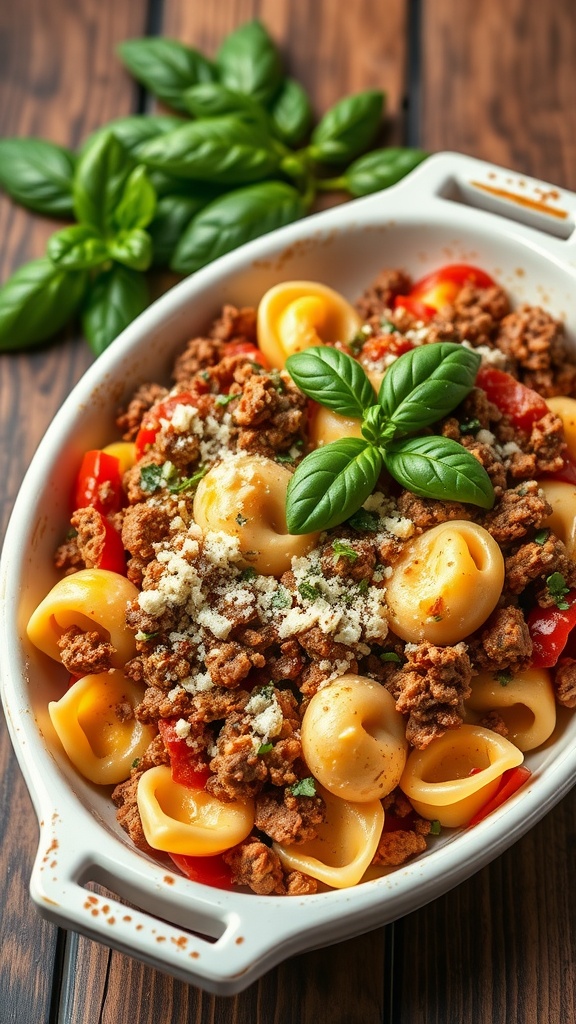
(562, 498)
(565, 408)
(525, 703)
(245, 497)
(345, 845)
(295, 315)
(92, 600)
(95, 724)
(457, 773)
(326, 426)
(353, 739)
(446, 584)
(180, 819)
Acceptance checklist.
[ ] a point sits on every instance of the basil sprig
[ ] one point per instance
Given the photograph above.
(419, 388)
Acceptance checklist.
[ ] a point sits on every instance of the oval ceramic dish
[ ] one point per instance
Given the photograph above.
(450, 209)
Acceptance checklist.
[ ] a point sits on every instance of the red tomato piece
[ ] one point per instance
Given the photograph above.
(208, 870)
(441, 287)
(512, 779)
(151, 420)
(112, 556)
(99, 483)
(385, 344)
(413, 304)
(523, 405)
(550, 629)
(186, 765)
(246, 348)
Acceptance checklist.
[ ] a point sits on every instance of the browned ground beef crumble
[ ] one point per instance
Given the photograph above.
(268, 416)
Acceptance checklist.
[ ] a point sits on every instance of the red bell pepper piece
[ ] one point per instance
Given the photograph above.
(385, 344)
(523, 405)
(187, 767)
(151, 420)
(112, 555)
(511, 781)
(209, 870)
(246, 348)
(550, 629)
(99, 483)
(413, 304)
(441, 287)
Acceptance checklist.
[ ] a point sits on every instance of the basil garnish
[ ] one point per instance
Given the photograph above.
(331, 483)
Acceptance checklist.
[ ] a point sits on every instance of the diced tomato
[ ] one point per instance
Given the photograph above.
(567, 474)
(246, 348)
(441, 287)
(99, 483)
(112, 555)
(413, 304)
(550, 629)
(209, 870)
(385, 344)
(512, 779)
(151, 421)
(523, 405)
(187, 767)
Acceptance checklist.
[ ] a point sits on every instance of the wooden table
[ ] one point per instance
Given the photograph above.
(489, 79)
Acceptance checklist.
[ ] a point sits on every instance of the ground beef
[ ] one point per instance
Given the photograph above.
(238, 771)
(90, 535)
(397, 847)
(535, 341)
(547, 444)
(269, 415)
(199, 354)
(299, 884)
(565, 682)
(516, 513)
(230, 663)
(353, 559)
(257, 866)
(431, 689)
(127, 814)
(428, 512)
(379, 297)
(128, 420)
(67, 558)
(534, 563)
(289, 819)
(495, 723)
(143, 526)
(85, 653)
(157, 704)
(503, 643)
(235, 325)
(476, 313)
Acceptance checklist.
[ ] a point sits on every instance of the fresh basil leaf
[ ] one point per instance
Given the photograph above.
(212, 100)
(78, 247)
(426, 383)
(248, 61)
(172, 217)
(437, 467)
(38, 175)
(114, 300)
(222, 150)
(380, 169)
(166, 67)
(171, 185)
(235, 218)
(348, 127)
(330, 484)
(132, 248)
(36, 302)
(333, 379)
(99, 182)
(291, 113)
(134, 130)
(138, 203)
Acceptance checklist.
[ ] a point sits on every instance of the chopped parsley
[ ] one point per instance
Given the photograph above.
(503, 678)
(135, 762)
(387, 327)
(140, 635)
(249, 573)
(304, 787)
(391, 656)
(435, 827)
(226, 399)
(363, 586)
(470, 426)
(264, 748)
(541, 536)
(342, 550)
(557, 589)
(277, 382)
(356, 344)
(241, 520)
(308, 591)
(364, 521)
(155, 478)
(284, 457)
(281, 599)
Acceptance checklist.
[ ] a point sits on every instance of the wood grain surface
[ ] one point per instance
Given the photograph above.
(488, 79)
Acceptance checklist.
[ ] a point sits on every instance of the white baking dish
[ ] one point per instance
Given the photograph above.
(450, 209)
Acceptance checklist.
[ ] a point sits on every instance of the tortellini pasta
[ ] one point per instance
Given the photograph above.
(179, 819)
(353, 739)
(95, 724)
(562, 521)
(245, 497)
(565, 408)
(295, 315)
(92, 600)
(457, 773)
(446, 584)
(345, 844)
(326, 426)
(525, 703)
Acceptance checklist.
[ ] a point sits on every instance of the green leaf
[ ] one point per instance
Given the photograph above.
(333, 379)
(425, 384)
(38, 174)
(138, 203)
(36, 302)
(380, 169)
(437, 467)
(304, 787)
(166, 67)
(172, 217)
(330, 484)
(171, 185)
(222, 150)
(248, 61)
(78, 247)
(213, 100)
(115, 299)
(134, 130)
(236, 218)
(348, 127)
(132, 248)
(99, 183)
(291, 113)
